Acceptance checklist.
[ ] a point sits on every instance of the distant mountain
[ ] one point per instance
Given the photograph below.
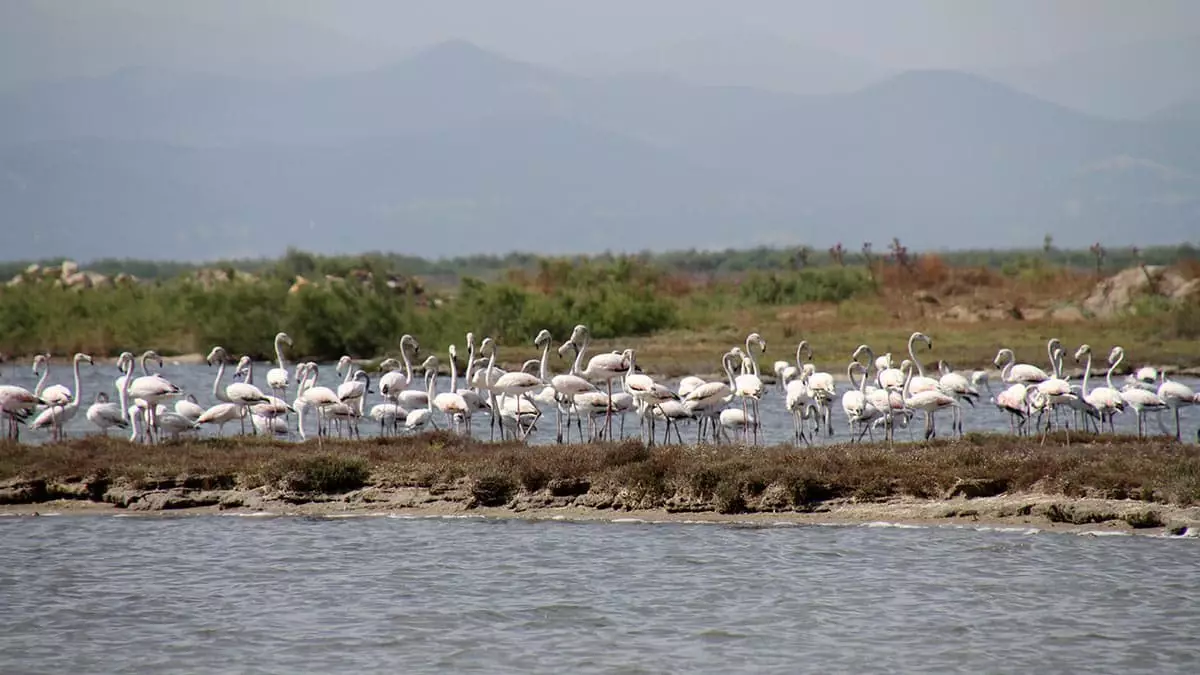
(1127, 82)
(459, 150)
(98, 37)
(1186, 110)
(743, 58)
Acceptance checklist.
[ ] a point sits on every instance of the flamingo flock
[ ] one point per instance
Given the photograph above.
(596, 390)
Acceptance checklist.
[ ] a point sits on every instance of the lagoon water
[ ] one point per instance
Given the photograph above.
(200, 594)
(776, 421)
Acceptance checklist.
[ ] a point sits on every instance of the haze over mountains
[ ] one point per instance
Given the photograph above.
(458, 149)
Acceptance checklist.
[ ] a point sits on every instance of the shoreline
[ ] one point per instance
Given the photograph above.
(1018, 511)
(1101, 483)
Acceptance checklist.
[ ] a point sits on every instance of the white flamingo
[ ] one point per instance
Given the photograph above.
(1176, 395)
(451, 403)
(105, 414)
(1106, 400)
(1012, 372)
(1141, 400)
(929, 402)
(57, 415)
(153, 389)
(417, 419)
(600, 368)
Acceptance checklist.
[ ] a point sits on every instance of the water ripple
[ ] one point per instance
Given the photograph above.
(286, 594)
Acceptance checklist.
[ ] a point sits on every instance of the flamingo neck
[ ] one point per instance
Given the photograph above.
(470, 363)
(1113, 367)
(913, 357)
(217, 392)
(544, 367)
(75, 398)
(1087, 371)
(453, 373)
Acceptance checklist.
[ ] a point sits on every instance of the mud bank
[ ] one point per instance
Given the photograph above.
(205, 495)
(1093, 482)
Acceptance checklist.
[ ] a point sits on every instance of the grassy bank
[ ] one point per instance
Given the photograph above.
(680, 321)
(620, 476)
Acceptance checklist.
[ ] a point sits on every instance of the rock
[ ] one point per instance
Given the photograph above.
(973, 488)
(960, 313)
(925, 297)
(775, 498)
(1118, 292)
(568, 487)
(174, 499)
(1067, 314)
(70, 490)
(23, 491)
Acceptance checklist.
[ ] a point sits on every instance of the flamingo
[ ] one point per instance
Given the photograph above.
(394, 383)
(1106, 400)
(1141, 400)
(419, 417)
(151, 388)
(277, 378)
(645, 391)
(451, 403)
(1012, 372)
(748, 386)
(958, 386)
(55, 394)
(820, 387)
(600, 368)
(319, 397)
(929, 402)
(57, 415)
(106, 415)
(855, 404)
(1176, 395)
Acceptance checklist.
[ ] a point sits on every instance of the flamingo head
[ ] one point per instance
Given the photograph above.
(243, 364)
(343, 363)
(565, 347)
(284, 338)
(1003, 356)
(430, 365)
(530, 366)
(85, 357)
(218, 354)
(756, 339)
(923, 338)
(388, 364)
(861, 349)
(1083, 350)
(488, 345)
(453, 352)
(407, 341)
(803, 347)
(579, 332)
(151, 354)
(542, 338)
(1114, 354)
(39, 362)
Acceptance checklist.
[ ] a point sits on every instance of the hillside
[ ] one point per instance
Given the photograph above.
(460, 150)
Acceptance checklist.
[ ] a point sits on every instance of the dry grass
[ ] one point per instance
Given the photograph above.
(675, 477)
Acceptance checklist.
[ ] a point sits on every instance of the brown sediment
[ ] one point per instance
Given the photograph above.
(1117, 483)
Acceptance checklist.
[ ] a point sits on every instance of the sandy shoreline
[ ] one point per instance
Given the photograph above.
(1038, 512)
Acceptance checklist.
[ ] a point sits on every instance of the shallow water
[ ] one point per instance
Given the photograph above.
(382, 594)
(776, 421)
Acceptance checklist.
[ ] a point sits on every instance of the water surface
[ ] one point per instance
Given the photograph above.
(384, 594)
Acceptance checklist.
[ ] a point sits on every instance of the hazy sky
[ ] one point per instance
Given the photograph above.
(40, 38)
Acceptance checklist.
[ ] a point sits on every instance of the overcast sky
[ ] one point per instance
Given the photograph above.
(44, 38)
